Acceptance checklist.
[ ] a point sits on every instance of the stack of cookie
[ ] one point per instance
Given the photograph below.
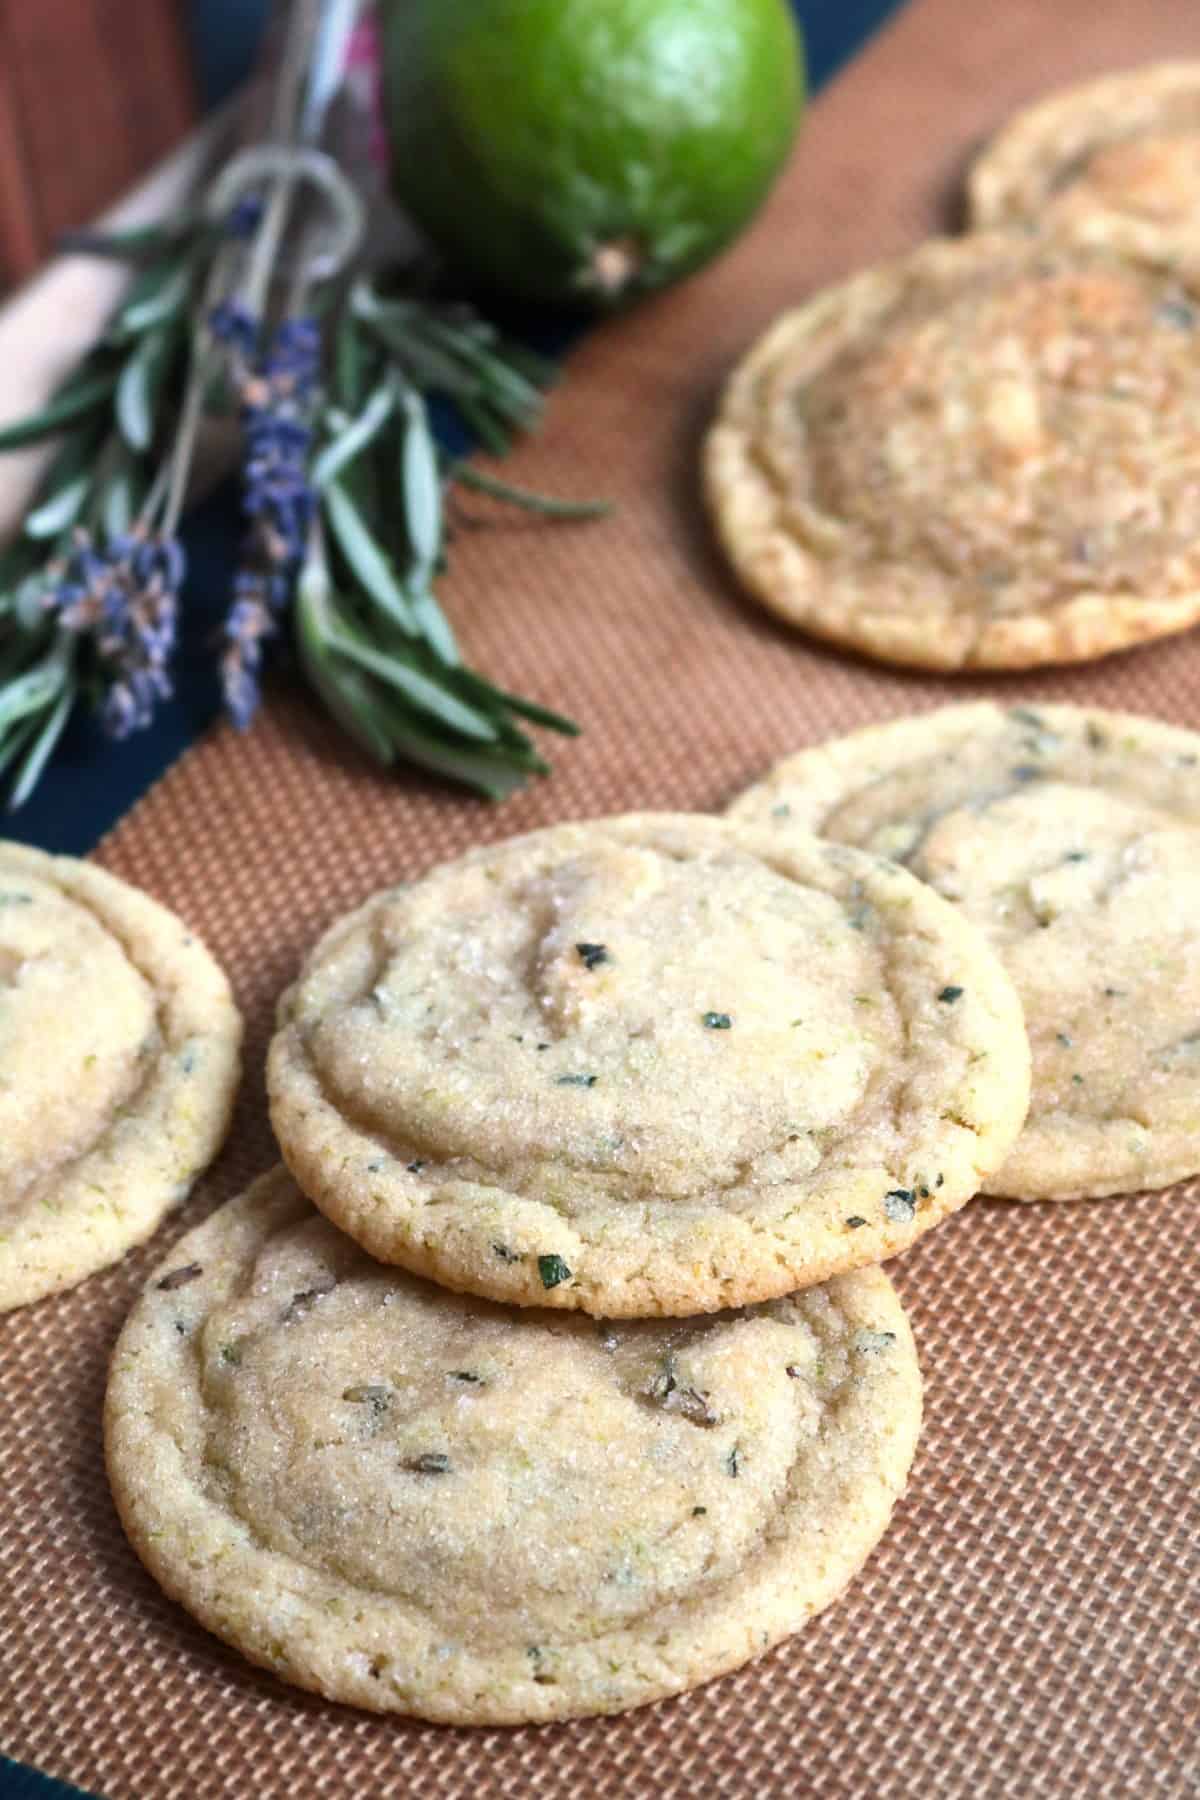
(647, 1099)
(985, 455)
(579, 1383)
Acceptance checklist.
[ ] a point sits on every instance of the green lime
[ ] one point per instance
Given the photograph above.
(587, 149)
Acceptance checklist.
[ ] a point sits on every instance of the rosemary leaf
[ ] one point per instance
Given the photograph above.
(345, 693)
(527, 709)
(15, 743)
(518, 751)
(42, 748)
(423, 363)
(435, 628)
(29, 601)
(349, 357)
(482, 335)
(347, 696)
(424, 693)
(383, 725)
(369, 306)
(422, 486)
(30, 692)
(364, 479)
(59, 499)
(139, 387)
(480, 693)
(546, 504)
(538, 369)
(353, 438)
(159, 294)
(434, 371)
(511, 392)
(365, 559)
(480, 770)
(122, 497)
(126, 246)
(61, 510)
(494, 438)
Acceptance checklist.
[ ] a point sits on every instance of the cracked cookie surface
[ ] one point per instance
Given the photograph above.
(983, 455)
(1113, 163)
(650, 1065)
(118, 1061)
(1069, 837)
(426, 1503)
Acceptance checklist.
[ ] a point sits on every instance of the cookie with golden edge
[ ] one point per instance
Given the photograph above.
(984, 455)
(1113, 163)
(1068, 836)
(119, 1043)
(658, 1064)
(423, 1503)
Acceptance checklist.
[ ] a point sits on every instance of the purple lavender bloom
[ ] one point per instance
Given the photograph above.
(233, 325)
(276, 409)
(242, 695)
(277, 500)
(129, 703)
(125, 600)
(295, 352)
(245, 216)
(249, 620)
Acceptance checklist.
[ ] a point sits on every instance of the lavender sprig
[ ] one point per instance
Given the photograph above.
(121, 603)
(277, 399)
(89, 589)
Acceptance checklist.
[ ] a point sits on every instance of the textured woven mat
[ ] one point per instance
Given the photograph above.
(1030, 1624)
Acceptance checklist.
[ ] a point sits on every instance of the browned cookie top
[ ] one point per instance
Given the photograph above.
(987, 453)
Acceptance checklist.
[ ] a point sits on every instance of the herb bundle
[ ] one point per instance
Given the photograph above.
(261, 301)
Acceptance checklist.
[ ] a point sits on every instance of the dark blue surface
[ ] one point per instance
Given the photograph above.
(224, 36)
(91, 782)
(835, 29)
(20, 1783)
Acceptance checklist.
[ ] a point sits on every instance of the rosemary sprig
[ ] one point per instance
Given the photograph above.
(370, 628)
(545, 504)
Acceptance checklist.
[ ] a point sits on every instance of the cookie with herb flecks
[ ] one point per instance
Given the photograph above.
(119, 1046)
(1114, 162)
(984, 455)
(649, 1065)
(1069, 837)
(424, 1503)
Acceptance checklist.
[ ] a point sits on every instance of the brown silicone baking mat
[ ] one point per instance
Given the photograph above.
(1031, 1623)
